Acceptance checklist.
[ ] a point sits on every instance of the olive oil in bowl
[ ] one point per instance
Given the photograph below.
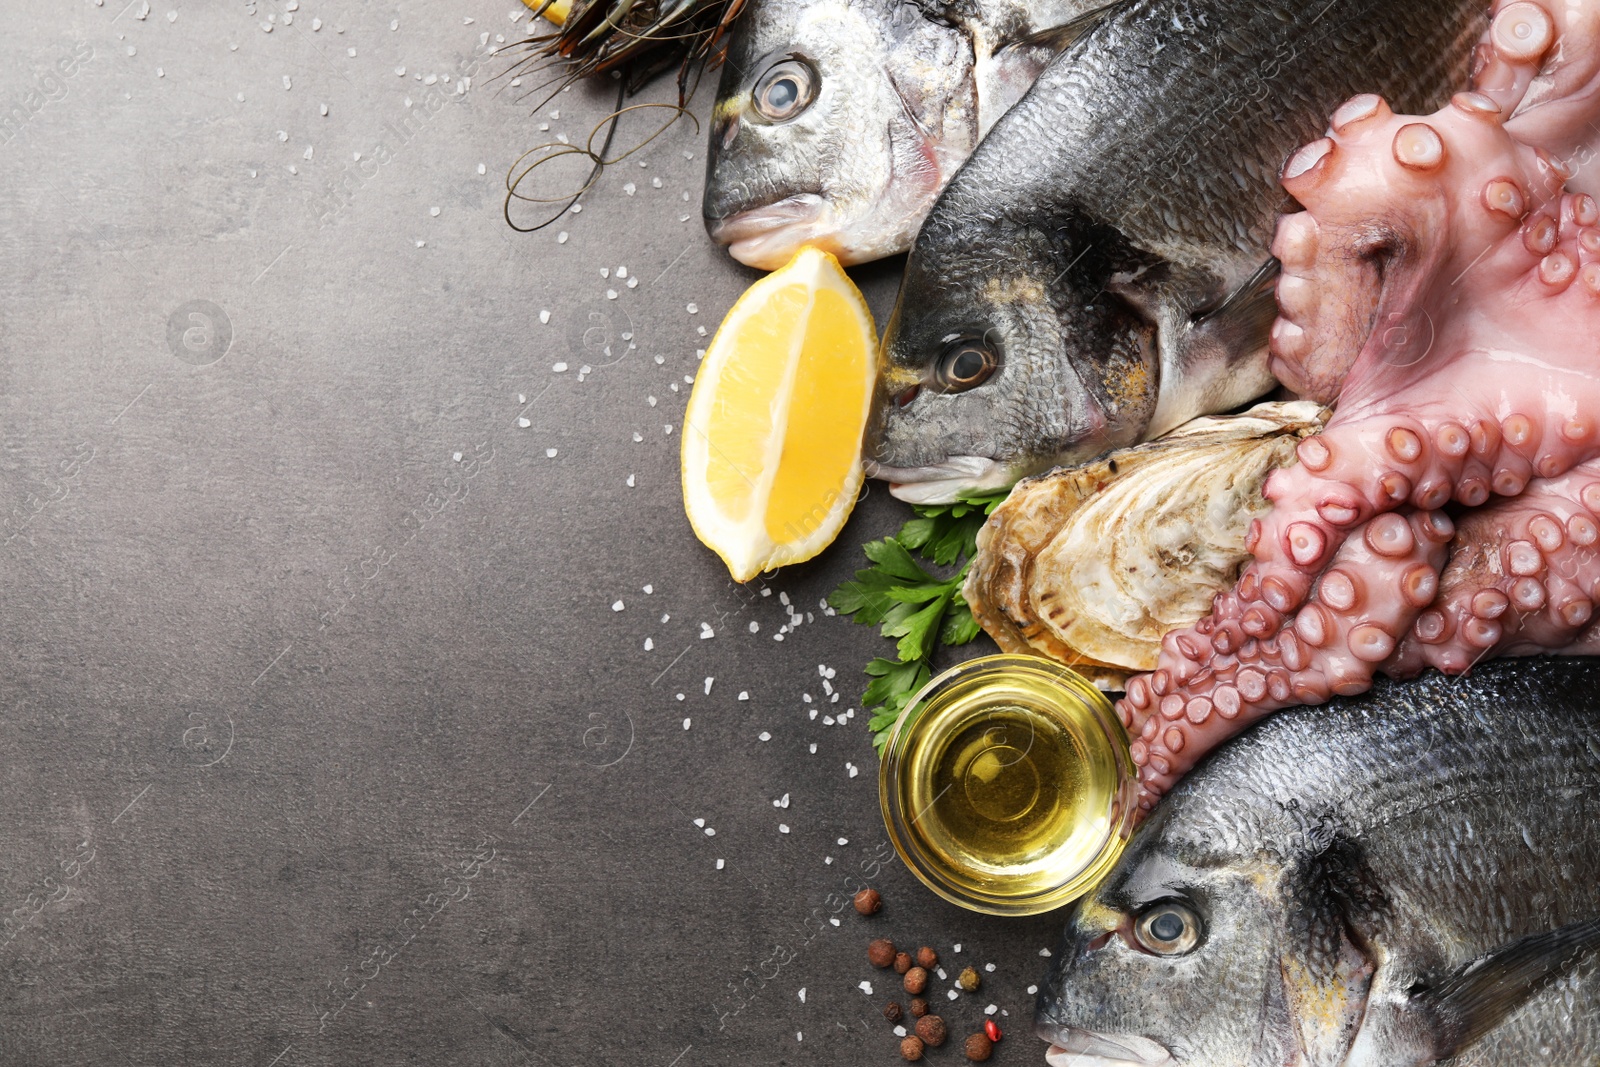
(1007, 786)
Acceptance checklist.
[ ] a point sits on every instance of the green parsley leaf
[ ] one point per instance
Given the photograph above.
(893, 559)
(919, 609)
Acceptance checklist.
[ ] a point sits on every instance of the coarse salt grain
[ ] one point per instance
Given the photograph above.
(865, 987)
(744, 694)
(783, 828)
(764, 736)
(617, 605)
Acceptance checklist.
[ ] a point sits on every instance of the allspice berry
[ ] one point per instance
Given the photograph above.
(893, 1012)
(916, 981)
(868, 902)
(919, 1007)
(902, 962)
(911, 1049)
(979, 1048)
(932, 1030)
(968, 980)
(881, 953)
(927, 958)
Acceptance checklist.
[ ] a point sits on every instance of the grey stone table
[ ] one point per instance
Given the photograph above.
(367, 698)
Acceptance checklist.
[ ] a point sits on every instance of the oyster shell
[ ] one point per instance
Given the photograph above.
(1093, 565)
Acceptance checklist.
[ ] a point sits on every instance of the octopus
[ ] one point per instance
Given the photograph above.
(1441, 288)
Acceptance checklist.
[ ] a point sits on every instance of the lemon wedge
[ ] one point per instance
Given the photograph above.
(556, 12)
(772, 437)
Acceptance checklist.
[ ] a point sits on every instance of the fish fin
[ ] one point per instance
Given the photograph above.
(1212, 342)
(1057, 39)
(1479, 996)
(1327, 964)
(1007, 75)
(1244, 317)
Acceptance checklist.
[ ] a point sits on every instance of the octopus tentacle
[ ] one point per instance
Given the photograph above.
(1360, 608)
(1522, 578)
(1540, 62)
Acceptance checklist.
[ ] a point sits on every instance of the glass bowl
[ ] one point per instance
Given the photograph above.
(1007, 786)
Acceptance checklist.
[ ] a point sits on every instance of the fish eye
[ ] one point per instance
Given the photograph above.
(786, 89)
(1168, 929)
(966, 364)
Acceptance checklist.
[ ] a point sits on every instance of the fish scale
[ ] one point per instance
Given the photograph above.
(1153, 144)
(1468, 805)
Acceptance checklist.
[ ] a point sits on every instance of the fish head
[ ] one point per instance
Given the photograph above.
(1009, 351)
(836, 125)
(1213, 947)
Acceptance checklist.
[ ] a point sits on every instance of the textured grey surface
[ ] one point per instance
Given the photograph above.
(321, 744)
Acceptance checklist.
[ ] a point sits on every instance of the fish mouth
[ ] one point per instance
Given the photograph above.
(766, 237)
(1071, 1047)
(946, 482)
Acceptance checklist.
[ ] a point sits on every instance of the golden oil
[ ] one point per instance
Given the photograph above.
(1007, 786)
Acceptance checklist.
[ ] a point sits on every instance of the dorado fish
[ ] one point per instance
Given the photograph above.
(1098, 272)
(1410, 877)
(837, 122)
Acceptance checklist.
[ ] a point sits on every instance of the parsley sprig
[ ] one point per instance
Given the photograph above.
(921, 611)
